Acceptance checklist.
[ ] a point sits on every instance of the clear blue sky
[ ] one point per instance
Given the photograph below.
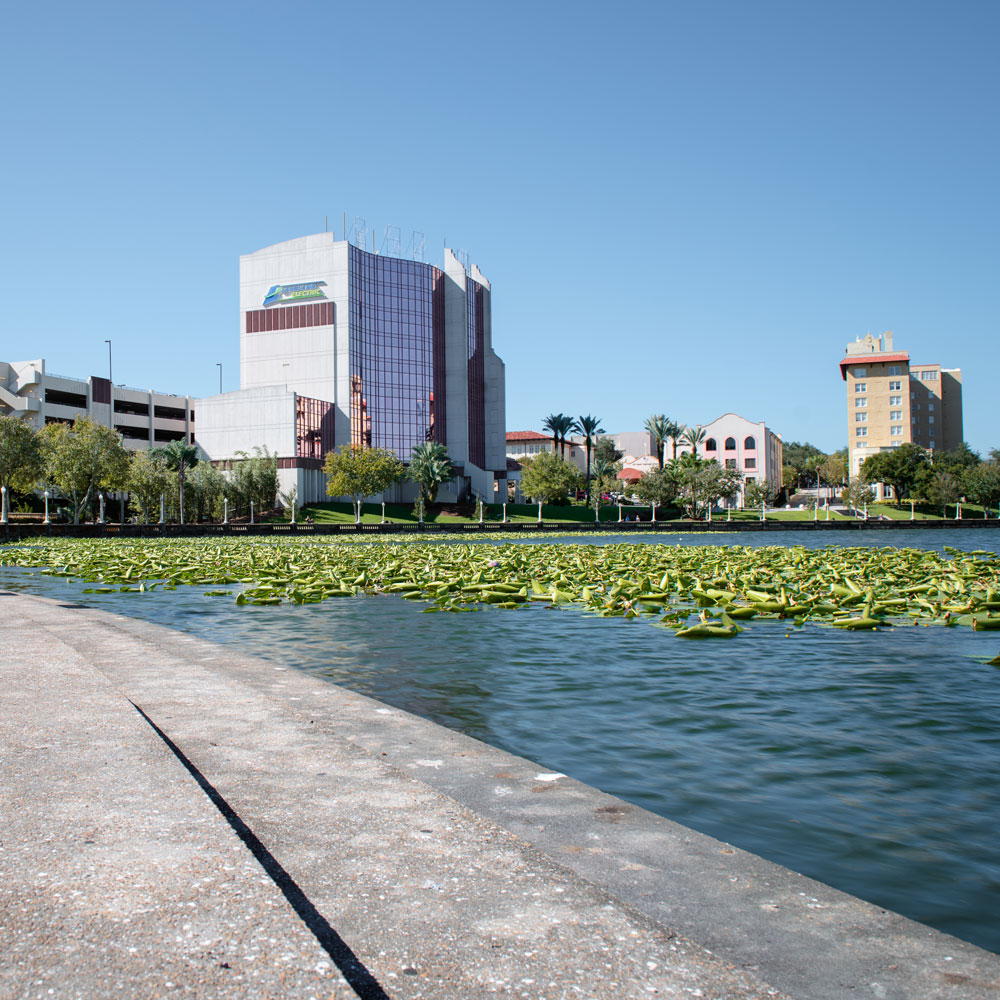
(684, 208)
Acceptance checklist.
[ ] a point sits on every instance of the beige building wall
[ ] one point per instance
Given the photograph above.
(891, 401)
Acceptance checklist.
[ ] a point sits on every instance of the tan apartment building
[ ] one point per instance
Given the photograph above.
(891, 401)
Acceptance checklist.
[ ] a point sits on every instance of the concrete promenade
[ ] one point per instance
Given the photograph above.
(179, 820)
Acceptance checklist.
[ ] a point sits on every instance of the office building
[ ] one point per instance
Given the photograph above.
(341, 346)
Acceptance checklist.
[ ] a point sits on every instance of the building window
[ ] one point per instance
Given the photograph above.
(896, 430)
(928, 376)
(749, 444)
(894, 370)
(895, 400)
(860, 372)
(895, 386)
(730, 444)
(861, 418)
(861, 432)
(860, 401)
(750, 463)
(930, 406)
(730, 463)
(930, 420)
(710, 445)
(860, 386)
(895, 414)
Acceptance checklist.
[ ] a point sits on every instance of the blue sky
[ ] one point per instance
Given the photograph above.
(682, 208)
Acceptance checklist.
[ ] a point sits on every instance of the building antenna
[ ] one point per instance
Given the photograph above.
(326, 223)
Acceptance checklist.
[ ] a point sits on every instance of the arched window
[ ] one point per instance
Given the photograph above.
(710, 445)
(749, 444)
(730, 444)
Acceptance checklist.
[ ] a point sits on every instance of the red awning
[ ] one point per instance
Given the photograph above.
(631, 475)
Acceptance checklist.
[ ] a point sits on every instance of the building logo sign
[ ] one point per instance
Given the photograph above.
(305, 292)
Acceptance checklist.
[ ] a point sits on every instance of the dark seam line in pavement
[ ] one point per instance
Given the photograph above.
(364, 984)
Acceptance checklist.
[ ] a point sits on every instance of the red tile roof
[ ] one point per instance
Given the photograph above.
(527, 436)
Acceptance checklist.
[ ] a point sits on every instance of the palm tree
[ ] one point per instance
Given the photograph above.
(430, 467)
(693, 436)
(588, 426)
(558, 425)
(674, 430)
(179, 456)
(659, 427)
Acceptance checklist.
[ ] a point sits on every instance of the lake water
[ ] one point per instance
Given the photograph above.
(868, 761)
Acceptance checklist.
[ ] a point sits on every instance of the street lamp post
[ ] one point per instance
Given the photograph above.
(218, 364)
(100, 519)
(3, 504)
(46, 495)
(111, 391)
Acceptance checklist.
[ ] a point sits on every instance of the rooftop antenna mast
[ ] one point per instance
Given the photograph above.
(415, 248)
(359, 233)
(390, 242)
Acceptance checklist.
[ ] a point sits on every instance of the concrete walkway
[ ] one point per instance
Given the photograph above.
(178, 820)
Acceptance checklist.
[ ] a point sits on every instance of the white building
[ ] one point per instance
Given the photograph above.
(144, 418)
(340, 346)
(746, 445)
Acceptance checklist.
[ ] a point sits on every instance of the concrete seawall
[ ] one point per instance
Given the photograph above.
(182, 820)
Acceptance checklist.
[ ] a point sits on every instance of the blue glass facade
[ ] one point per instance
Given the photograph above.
(397, 351)
(475, 317)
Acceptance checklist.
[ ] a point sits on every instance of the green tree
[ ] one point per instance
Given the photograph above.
(701, 482)
(789, 477)
(606, 451)
(759, 493)
(803, 458)
(939, 486)
(206, 488)
(549, 478)
(361, 472)
(982, 484)
(83, 457)
(833, 469)
(254, 479)
(659, 428)
(588, 426)
(899, 467)
(659, 487)
(179, 456)
(858, 493)
(604, 478)
(20, 455)
(958, 460)
(430, 468)
(147, 480)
